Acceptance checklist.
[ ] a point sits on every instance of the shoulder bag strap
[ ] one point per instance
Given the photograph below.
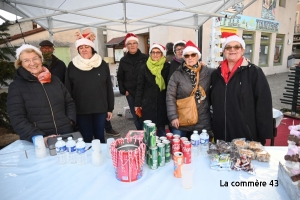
(197, 84)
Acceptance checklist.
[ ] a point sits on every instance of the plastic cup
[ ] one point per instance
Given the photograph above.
(96, 145)
(108, 142)
(39, 144)
(187, 175)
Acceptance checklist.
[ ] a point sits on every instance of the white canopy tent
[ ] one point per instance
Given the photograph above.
(62, 15)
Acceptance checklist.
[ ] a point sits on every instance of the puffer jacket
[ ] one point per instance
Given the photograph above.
(128, 73)
(150, 98)
(242, 108)
(179, 87)
(39, 109)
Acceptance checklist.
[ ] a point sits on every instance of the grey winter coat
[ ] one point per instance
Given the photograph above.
(179, 87)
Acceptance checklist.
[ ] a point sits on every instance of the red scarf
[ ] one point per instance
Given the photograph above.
(226, 73)
(44, 76)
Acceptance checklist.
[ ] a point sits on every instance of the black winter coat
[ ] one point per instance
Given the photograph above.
(92, 90)
(128, 73)
(39, 109)
(57, 68)
(174, 65)
(243, 107)
(150, 98)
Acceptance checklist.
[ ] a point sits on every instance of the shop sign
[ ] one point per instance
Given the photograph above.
(250, 23)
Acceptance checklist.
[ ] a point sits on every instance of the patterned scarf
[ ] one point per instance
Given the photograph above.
(87, 64)
(155, 68)
(192, 72)
(44, 76)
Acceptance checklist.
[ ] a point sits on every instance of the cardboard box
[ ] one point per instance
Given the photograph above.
(284, 177)
(127, 112)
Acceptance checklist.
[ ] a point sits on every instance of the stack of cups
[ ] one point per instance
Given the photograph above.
(187, 175)
(97, 158)
(39, 144)
(108, 143)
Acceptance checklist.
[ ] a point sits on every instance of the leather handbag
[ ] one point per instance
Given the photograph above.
(187, 109)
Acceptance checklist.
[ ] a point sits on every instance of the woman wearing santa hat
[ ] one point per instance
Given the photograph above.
(180, 86)
(151, 88)
(88, 80)
(240, 97)
(38, 103)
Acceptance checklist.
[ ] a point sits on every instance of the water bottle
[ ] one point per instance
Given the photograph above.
(195, 140)
(204, 140)
(60, 147)
(80, 149)
(71, 149)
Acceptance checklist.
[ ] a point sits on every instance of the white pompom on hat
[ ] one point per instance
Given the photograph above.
(191, 47)
(178, 42)
(28, 46)
(230, 37)
(160, 47)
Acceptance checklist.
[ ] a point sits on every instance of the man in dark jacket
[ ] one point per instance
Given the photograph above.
(55, 65)
(128, 72)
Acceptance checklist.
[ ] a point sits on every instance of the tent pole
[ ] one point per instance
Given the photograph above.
(50, 25)
(125, 17)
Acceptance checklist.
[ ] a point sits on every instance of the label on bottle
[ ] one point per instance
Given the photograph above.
(80, 150)
(204, 141)
(71, 149)
(60, 149)
(195, 142)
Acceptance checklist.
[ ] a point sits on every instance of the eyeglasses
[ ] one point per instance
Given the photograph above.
(155, 52)
(193, 55)
(34, 60)
(178, 50)
(131, 44)
(236, 47)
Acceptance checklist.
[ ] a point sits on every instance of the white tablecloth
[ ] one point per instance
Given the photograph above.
(31, 178)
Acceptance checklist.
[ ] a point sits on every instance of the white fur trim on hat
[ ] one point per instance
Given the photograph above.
(191, 47)
(131, 38)
(84, 41)
(28, 46)
(160, 47)
(178, 42)
(234, 38)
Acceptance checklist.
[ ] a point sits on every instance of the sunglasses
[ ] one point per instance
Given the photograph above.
(193, 55)
(236, 47)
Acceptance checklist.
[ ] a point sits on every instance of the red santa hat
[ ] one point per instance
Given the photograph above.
(128, 37)
(158, 46)
(28, 46)
(86, 38)
(178, 43)
(229, 37)
(191, 47)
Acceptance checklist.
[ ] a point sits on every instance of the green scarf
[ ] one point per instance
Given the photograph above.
(155, 68)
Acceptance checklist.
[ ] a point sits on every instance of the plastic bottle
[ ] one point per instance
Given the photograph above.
(71, 149)
(204, 140)
(195, 140)
(80, 149)
(60, 147)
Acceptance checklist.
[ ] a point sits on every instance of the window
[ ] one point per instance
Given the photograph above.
(264, 49)
(282, 3)
(278, 49)
(249, 40)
